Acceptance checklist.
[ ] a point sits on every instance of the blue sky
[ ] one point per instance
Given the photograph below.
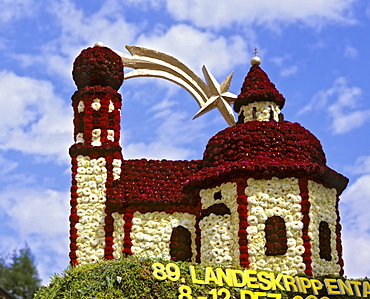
(317, 54)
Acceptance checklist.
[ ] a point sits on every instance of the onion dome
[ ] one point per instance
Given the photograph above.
(263, 150)
(98, 66)
(257, 87)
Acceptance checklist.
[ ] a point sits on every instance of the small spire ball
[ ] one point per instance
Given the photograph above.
(255, 60)
(99, 44)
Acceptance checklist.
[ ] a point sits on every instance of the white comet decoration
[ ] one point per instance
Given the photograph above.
(150, 63)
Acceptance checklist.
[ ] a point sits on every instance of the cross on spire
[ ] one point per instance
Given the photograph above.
(255, 52)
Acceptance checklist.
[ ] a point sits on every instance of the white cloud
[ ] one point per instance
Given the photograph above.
(356, 227)
(342, 103)
(33, 118)
(196, 48)
(78, 30)
(38, 217)
(350, 52)
(361, 166)
(269, 13)
(288, 71)
(174, 135)
(12, 10)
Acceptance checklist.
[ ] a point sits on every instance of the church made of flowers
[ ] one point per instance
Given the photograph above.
(262, 196)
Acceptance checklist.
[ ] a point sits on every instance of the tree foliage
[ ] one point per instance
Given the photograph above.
(19, 276)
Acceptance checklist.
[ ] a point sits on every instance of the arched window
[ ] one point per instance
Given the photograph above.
(324, 241)
(275, 233)
(180, 245)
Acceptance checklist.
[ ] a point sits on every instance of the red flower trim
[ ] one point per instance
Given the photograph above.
(109, 241)
(305, 204)
(127, 230)
(338, 233)
(242, 200)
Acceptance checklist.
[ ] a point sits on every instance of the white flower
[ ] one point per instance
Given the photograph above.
(300, 249)
(276, 211)
(296, 225)
(100, 253)
(252, 220)
(96, 104)
(288, 218)
(261, 263)
(136, 221)
(291, 242)
(252, 230)
(156, 239)
(298, 259)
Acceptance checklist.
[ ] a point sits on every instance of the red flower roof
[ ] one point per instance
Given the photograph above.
(258, 87)
(152, 182)
(98, 66)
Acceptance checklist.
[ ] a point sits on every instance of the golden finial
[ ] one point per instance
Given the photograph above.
(255, 60)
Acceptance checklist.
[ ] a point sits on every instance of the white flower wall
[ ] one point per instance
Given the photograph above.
(219, 233)
(323, 202)
(151, 232)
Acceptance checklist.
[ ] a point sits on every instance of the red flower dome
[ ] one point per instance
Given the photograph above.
(264, 150)
(98, 66)
(258, 87)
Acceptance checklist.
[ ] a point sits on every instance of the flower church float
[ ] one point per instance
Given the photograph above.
(262, 196)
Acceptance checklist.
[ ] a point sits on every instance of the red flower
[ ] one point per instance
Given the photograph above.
(242, 200)
(73, 218)
(127, 227)
(73, 246)
(108, 250)
(108, 228)
(242, 233)
(109, 241)
(128, 217)
(127, 251)
(73, 256)
(243, 224)
(242, 209)
(243, 258)
(127, 244)
(109, 219)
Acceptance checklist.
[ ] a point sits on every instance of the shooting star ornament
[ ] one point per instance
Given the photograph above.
(210, 95)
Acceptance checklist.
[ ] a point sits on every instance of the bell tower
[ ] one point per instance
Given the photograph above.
(96, 153)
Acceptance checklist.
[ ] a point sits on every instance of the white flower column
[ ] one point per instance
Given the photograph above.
(91, 178)
(219, 233)
(323, 209)
(266, 199)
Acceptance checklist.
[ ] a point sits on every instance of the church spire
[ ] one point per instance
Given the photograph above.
(259, 99)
